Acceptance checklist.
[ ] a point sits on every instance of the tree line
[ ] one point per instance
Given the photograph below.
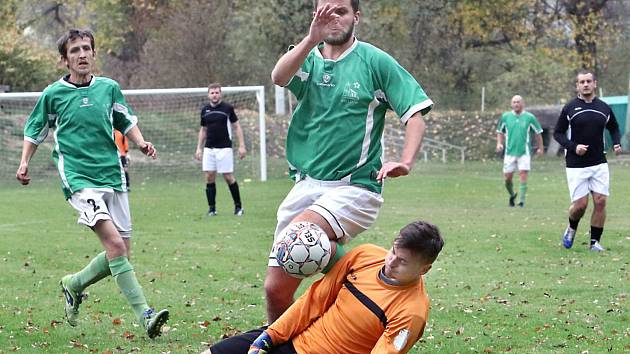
(453, 47)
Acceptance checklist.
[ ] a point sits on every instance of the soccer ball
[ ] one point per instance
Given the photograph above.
(304, 249)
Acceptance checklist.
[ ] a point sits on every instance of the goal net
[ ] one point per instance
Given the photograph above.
(169, 118)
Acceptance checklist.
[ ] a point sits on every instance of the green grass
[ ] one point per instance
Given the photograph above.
(503, 283)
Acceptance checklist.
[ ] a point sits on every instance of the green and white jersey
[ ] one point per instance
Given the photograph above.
(83, 120)
(516, 129)
(336, 128)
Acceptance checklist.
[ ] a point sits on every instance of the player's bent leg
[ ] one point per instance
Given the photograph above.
(125, 277)
(576, 211)
(279, 290)
(113, 244)
(598, 218)
(319, 220)
(578, 208)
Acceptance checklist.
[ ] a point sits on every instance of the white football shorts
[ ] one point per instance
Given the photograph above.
(219, 160)
(511, 163)
(581, 181)
(95, 204)
(349, 209)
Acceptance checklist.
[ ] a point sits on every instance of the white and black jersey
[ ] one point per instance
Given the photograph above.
(217, 122)
(583, 122)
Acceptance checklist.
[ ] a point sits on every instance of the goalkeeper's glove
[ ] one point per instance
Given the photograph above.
(261, 345)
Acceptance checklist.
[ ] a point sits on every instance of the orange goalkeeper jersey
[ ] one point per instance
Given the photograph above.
(352, 311)
(121, 142)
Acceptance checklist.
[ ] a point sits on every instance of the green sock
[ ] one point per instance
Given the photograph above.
(125, 277)
(337, 256)
(96, 270)
(510, 187)
(522, 189)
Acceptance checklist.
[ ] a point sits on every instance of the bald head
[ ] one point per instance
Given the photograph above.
(517, 104)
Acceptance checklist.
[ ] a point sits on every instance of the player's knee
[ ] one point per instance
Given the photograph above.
(580, 205)
(275, 292)
(599, 203)
(229, 178)
(118, 246)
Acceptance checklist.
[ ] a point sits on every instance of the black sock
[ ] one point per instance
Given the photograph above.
(574, 223)
(236, 195)
(596, 233)
(211, 193)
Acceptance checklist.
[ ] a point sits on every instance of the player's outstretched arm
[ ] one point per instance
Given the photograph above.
(414, 132)
(146, 147)
(28, 150)
(291, 61)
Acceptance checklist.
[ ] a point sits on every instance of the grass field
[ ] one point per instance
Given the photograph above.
(503, 283)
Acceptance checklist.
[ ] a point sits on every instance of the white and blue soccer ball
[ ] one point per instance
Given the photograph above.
(303, 250)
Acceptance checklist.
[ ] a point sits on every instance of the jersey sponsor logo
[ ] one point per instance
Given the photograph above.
(577, 108)
(326, 78)
(401, 339)
(85, 102)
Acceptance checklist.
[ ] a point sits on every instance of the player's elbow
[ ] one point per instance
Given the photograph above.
(279, 79)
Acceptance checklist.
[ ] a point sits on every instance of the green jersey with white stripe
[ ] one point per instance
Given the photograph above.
(336, 128)
(83, 120)
(516, 128)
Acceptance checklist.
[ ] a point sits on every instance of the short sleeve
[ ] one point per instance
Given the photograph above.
(39, 121)
(124, 119)
(501, 125)
(232, 116)
(302, 77)
(401, 91)
(535, 125)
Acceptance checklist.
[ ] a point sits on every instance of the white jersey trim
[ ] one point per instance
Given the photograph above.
(589, 110)
(66, 83)
(60, 166)
(369, 126)
(416, 108)
(343, 55)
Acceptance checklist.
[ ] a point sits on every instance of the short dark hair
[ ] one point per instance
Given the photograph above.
(72, 34)
(585, 72)
(421, 238)
(354, 3)
(214, 85)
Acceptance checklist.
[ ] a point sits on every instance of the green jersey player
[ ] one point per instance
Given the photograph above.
(83, 110)
(513, 133)
(343, 87)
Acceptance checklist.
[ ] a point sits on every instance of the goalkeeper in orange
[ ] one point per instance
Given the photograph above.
(371, 301)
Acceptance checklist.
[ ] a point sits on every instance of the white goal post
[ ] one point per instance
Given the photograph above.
(170, 115)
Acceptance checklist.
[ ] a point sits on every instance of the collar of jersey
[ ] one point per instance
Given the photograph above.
(387, 285)
(66, 83)
(345, 54)
(579, 97)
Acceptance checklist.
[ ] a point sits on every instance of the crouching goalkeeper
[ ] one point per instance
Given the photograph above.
(371, 301)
